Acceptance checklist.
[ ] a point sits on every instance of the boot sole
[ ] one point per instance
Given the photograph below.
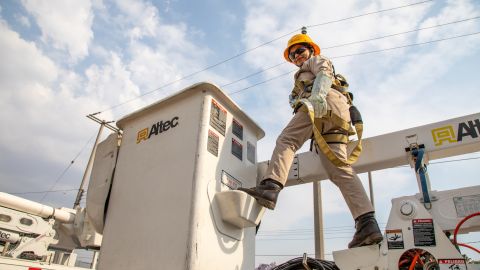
(265, 203)
(373, 239)
(268, 204)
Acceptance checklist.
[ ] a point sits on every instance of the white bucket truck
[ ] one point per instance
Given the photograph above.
(167, 207)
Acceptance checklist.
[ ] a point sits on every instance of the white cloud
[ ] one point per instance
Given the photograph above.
(421, 72)
(454, 11)
(47, 120)
(98, 5)
(110, 83)
(67, 24)
(26, 85)
(142, 15)
(154, 53)
(149, 66)
(19, 54)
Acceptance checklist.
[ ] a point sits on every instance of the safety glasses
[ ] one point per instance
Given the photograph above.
(300, 50)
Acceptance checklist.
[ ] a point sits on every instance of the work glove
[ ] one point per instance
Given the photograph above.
(319, 105)
(320, 89)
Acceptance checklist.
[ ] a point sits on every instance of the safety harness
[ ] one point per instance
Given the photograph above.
(322, 138)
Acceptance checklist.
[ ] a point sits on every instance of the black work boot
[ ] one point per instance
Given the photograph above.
(367, 231)
(266, 193)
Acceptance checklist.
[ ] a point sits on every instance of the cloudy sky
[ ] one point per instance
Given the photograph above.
(62, 60)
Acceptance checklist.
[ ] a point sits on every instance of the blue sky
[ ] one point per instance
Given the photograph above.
(62, 60)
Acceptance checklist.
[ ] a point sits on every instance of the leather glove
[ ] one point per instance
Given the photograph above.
(320, 89)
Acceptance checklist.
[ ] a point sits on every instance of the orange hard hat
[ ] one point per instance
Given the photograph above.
(299, 39)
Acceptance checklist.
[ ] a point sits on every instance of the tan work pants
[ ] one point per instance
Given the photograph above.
(295, 134)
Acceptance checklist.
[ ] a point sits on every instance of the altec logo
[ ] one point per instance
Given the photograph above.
(157, 128)
(447, 133)
(4, 235)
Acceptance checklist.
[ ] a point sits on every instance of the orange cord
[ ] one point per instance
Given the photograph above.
(414, 261)
(458, 227)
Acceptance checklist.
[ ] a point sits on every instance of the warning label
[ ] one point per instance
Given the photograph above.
(212, 144)
(218, 117)
(237, 149)
(423, 232)
(230, 181)
(251, 152)
(237, 129)
(395, 239)
(467, 205)
(452, 264)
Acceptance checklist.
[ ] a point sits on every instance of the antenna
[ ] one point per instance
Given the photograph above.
(103, 122)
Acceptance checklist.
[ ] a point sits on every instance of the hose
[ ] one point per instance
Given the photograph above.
(458, 228)
(296, 264)
(414, 261)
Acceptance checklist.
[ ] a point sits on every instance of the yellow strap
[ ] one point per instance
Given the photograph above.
(322, 144)
(335, 138)
(338, 121)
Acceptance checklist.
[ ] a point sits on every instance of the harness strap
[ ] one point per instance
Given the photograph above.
(338, 121)
(322, 143)
(335, 138)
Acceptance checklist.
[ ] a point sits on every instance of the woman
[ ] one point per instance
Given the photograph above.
(313, 85)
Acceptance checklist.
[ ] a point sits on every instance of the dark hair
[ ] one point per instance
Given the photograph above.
(310, 48)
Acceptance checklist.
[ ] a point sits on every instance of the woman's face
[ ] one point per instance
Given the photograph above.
(298, 54)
